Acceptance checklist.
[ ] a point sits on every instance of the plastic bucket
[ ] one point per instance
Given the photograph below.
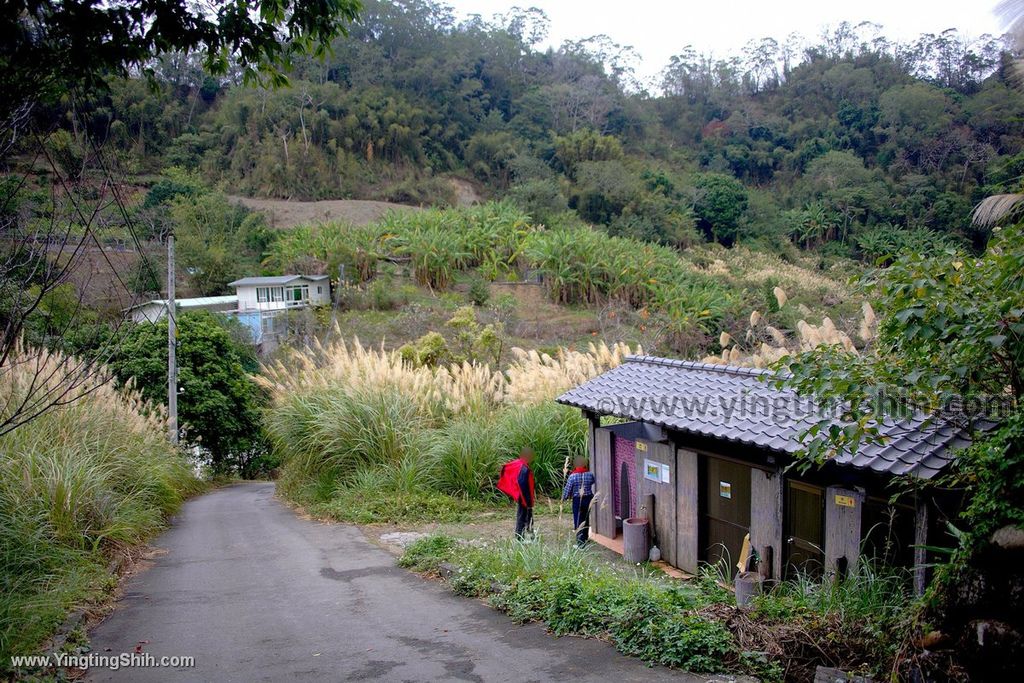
(748, 584)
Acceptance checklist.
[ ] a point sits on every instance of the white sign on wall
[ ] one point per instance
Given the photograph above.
(656, 471)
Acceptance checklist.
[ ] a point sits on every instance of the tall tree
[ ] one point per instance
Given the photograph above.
(219, 402)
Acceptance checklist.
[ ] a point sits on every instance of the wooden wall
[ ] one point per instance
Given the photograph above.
(766, 520)
(602, 516)
(687, 510)
(843, 510)
(664, 494)
(677, 509)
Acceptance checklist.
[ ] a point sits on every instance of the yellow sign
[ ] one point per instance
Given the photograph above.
(641, 446)
(846, 501)
(725, 489)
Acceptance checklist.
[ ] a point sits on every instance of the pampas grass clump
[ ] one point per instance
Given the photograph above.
(76, 483)
(345, 415)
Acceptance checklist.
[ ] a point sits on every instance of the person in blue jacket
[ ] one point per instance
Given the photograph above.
(580, 488)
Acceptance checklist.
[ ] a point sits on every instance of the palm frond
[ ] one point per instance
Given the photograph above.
(998, 207)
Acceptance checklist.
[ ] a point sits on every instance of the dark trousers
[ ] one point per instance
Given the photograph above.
(581, 518)
(524, 520)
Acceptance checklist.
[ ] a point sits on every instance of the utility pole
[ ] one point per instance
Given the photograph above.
(172, 340)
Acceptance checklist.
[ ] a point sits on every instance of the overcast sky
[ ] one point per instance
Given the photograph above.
(659, 29)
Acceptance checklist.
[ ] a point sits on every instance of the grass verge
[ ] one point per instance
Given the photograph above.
(79, 485)
(857, 625)
(359, 506)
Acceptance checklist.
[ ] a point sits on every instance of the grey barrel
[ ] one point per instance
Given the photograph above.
(635, 542)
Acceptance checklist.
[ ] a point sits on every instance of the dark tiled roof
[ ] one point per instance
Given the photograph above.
(734, 404)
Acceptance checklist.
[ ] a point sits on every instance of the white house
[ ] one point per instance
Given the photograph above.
(262, 299)
(281, 292)
(257, 301)
(151, 311)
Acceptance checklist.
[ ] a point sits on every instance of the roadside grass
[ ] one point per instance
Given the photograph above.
(379, 506)
(78, 485)
(573, 593)
(857, 624)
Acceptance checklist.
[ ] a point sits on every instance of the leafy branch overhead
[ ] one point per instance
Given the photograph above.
(950, 343)
(50, 46)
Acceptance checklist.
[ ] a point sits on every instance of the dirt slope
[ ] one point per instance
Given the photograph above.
(283, 213)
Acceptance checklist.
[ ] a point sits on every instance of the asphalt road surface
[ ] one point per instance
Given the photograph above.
(255, 593)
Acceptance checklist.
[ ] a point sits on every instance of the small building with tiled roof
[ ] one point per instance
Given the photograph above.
(709, 448)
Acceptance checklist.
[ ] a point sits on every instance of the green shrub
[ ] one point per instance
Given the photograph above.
(651, 628)
(479, 293)
(431, 349)
(429, 191)
(426, 554)
(385, 296)
(643, 614)
(329, 432)
(467, 455)
(555, 433)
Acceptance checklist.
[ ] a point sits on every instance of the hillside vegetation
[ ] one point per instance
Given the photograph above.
(675, 300)
(851, 143)
(79, 485)
(361, 428)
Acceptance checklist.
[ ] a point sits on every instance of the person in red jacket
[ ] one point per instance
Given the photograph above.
(524, 507)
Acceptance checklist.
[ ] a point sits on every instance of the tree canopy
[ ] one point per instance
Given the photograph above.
(951, 344)
(828, 140)
(51, 46)
(219, 404)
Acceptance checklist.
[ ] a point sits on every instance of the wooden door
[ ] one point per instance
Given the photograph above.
(726, 512)
(687, 510)
(603, 512)
(805, 528)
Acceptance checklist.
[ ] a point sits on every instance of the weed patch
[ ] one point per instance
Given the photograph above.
(695, 626)
(574, 594)
(377, 506)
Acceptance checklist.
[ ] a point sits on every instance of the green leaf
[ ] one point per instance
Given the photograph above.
(996, 340)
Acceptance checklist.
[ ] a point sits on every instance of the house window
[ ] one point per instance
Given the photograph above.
(267, 323)
(319, 289)
(262, 295)
(277, 293)
(298, 293)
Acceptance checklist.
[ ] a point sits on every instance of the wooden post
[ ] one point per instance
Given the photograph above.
(766, 521)
(920, 540)
(842, 529)
(687, 511)
(593, 422)
(172, 342)
(603, 516)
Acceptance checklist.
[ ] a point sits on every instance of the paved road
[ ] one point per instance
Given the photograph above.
(255, 593)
